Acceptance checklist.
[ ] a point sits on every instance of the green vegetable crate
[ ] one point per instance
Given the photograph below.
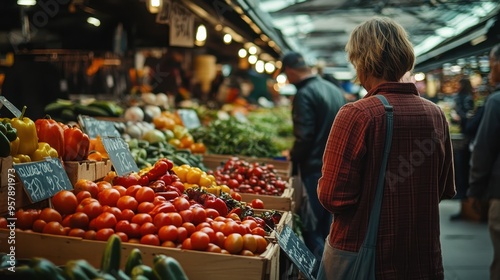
(196, 264)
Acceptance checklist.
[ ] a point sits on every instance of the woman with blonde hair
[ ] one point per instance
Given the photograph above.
(419, 171)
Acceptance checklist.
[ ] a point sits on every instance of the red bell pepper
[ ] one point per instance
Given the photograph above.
(49, 131)
(159, 169)
(76, 144)
(130, 179)
(217, 204)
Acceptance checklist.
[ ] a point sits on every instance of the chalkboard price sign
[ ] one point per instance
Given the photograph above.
(189, 118)
(94, 127)
(119, 154)
(298, 253)
(43, 179)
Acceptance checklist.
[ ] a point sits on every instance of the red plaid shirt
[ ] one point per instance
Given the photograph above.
(419, 175)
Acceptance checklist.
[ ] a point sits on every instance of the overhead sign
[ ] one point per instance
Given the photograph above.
(43, 179)
(119, 154)
(181, 26)
(298, 253)
(189, 118)
(94, 127)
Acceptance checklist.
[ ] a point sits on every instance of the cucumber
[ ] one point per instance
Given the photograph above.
(55, 108)
(68, 115)
(110, 262)
(168, 268)
(133, 260)
(91, 111)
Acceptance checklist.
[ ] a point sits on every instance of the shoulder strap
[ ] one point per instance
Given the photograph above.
(371, 235)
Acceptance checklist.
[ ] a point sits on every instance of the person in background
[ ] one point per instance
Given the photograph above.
(484, 178)
(314, 107)
(464, 105)
(419, 169)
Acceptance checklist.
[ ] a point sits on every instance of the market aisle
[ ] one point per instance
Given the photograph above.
(466, 246)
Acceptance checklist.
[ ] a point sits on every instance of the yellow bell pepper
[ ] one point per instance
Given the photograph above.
(14, 146)
(26, 131)
(20, 158)
(44, 150)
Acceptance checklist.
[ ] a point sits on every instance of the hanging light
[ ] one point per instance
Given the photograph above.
(252, 59)
(201, 33)
(242, 53)
(227, 38)
(269, 66)
(93, 21)
(259, 66)
(26, 2)
(154, 6)
(252, 50)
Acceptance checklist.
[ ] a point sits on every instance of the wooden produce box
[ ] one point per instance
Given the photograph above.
(284, 202)
(5, 167)
(197, 265)
(87, 169)
(283, 167)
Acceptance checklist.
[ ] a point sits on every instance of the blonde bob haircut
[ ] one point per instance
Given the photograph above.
(380, 48)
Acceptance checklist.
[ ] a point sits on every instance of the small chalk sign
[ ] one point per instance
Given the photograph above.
(94, 127)
(10, 106)
(298, 253)
(189, 118)
(43, 179)
(119, 154)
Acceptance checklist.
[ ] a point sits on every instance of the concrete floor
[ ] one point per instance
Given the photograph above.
(466, 246)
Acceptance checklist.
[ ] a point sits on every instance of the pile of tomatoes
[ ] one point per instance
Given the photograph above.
(245, 177)
(96, 210)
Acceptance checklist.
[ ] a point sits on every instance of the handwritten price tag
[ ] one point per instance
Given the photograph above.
(119, 154)
(298, 253)
(43, 179)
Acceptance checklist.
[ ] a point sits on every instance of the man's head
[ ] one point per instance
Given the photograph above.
(494, 76)
(295, 67)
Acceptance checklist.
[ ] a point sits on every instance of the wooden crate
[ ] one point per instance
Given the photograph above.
(283, 202)
(87, 169)
(22, 201)
(5, 166)
(197, 265)
(283, 167)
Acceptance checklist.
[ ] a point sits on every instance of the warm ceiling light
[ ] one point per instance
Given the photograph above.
(227, 38)
(419, 76)
(154, 6)
(252, 59)
(242, 53)
(26, 2)
(155, 3)
(252, 50)
(201, 33)
(94, 21)
(269, 67)
(259, 66)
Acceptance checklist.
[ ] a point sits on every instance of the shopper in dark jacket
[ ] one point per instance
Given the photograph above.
(484, 181)
(314, 108)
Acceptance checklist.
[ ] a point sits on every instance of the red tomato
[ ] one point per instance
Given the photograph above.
(187, 215)
(257, 204)
(145, 194)
(212, 213)
(104, 234)
(182, 234)
(142, 218)
(115, 211)
(259, 231)
(250, 223)
(127, 214)
(199, 240)
(229, 227)
(77, 232)
(186, 244)
(213, 248)
(202, 225)
(181, 203)
(148, 228)
(150, 239)
(79, 220)
(53, 227)
(145, 207)
(90, 234)
(174, 218)
(249, 242)
(261, 244)
(82, 195)
(220, 238)
(123, 226)
(210, 232)
(38, 225)
(65, 202)
(127, 202)
(132, 190)
(121, 189)
(109, 196)
(123, 236)
(190, 227)
(105, 220)
(102, 185)
(234, 243)
(65, 221)
(86, 185)
(50, 215)
(159, 199)
(199, 215)
(168, 233)
(236, 196)
(168, 244)
(93, 209)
